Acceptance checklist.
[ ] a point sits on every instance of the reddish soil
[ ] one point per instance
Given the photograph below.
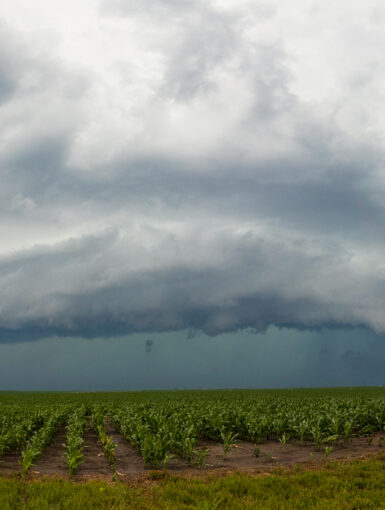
(241, 457)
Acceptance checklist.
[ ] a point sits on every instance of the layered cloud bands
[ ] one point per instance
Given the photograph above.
(202, 165)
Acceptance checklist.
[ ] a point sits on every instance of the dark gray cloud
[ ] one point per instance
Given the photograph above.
(148, 345)
(178, 172)
(279, 358)
(11, 64)
(96, 287)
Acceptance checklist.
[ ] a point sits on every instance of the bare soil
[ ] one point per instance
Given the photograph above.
(129, 462)
(10, 463)
(241, 457)
(52, 462)
(94, 464)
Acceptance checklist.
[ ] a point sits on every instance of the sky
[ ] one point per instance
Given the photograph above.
(191, 193)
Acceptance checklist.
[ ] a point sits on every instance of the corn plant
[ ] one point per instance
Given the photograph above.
(162, 424)
(283, 440)
(154, 450)
(185, 447)
(330, 440)
(108, 445)
(301, 429)
(16, 431)
(228, 439)
(39, 440)
(150, 436)
(74, 439)
(347, 432)
(328, 450)
(200, 456)
(316, 433)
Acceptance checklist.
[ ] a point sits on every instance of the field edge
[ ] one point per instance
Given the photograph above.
(349, 484)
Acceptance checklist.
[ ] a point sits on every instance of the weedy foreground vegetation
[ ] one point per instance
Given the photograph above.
(355, 485)
(172, 424)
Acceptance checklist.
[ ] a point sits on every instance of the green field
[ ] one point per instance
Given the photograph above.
(173, 430)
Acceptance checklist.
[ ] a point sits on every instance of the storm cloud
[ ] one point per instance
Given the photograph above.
(203, 166)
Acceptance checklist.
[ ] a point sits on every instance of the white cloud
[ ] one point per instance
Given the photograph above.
(236, 147)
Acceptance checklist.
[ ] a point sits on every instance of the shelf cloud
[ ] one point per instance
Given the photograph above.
(209, 166)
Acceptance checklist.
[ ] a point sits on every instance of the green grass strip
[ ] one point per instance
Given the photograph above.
(355, 485)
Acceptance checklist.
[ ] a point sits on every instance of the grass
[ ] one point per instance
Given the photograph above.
(353, 485)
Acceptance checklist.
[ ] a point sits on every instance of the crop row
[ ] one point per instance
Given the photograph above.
(164, 427)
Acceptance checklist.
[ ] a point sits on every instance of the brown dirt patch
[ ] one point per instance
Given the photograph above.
(128, 460)
(271, 455)
(178, 465)
(10, 463)
(241, 457)
(94, 463)
(52, 462)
